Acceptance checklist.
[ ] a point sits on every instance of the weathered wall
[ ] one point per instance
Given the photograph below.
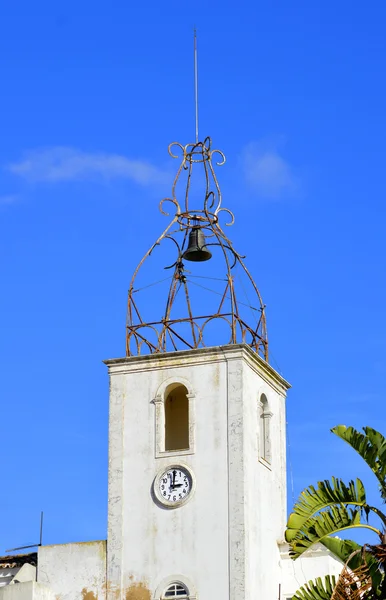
(264, 484)
(29, 590)
(26, 573)
(316, 562)
(147, 543)
(74, 571)
(207, 540)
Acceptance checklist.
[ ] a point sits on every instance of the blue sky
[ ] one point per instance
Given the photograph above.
(294, 94)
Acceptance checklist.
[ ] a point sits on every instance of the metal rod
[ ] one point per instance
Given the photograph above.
(196, 83)
(165, 338)
(22, 547)
(31, 545)
(41, 528)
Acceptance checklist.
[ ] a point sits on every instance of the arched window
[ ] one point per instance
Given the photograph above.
(264, 429)
(176, 418)
(175, 591)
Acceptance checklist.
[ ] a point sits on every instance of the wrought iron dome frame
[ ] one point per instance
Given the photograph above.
(163, 336)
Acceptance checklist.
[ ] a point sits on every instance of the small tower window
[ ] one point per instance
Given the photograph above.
(175, 591)
(264, 429)
(177, 418)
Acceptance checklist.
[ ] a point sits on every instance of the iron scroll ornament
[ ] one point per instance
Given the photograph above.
(172, 332)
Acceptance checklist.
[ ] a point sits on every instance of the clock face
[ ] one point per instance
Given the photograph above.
(174, 486)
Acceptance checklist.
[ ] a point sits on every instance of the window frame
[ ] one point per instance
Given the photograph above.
(159, 403)
(176, 409)
(265, 431)
(175, 596)
(176, 579)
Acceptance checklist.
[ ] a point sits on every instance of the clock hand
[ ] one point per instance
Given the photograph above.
(174, 479)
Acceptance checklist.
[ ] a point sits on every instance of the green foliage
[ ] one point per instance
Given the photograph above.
(371, 446)
(328, 522)
(312, 500)
(342, 549)
(320, 589)
(347, 552)
(332, 506)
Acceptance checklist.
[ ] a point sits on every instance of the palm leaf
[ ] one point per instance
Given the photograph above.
(320, 589)
(327, 493)
(342, 549)
(325, 523)
(348, 552)
(352, 584)
(378, 551)
(371, 446)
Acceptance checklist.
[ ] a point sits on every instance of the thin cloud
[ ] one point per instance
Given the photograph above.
(6, 200)
(59, 164)
(267, 172)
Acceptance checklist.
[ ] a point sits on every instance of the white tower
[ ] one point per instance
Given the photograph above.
(197, 484)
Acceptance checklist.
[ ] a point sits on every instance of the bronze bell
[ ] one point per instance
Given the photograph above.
(196, 250)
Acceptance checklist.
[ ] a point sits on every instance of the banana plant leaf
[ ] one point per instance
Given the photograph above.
(348, 552)
(328, 493)
(320, 589)
(352, 584)
(326, 523)
(371, 446)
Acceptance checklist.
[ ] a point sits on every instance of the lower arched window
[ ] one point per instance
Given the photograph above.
(175, 591)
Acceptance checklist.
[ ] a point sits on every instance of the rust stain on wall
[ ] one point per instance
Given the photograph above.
(89, 595)
(216, 375)
(111, 591)
(138, 591)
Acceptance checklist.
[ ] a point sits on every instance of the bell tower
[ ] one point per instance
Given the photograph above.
(197, 473)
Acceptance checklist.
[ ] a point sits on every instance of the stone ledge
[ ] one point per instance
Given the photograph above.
(197, 356)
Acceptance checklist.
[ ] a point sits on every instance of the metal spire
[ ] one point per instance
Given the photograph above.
(196, 83)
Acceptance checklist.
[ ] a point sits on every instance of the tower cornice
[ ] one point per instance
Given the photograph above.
(199, 356)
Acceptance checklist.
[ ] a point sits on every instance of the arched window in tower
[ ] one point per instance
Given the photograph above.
(176, 418)
(265, 429)
(175, 591)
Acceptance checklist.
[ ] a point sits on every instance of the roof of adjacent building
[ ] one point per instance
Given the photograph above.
(18, 560)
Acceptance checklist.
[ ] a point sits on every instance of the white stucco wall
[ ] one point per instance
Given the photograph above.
(146, 543)
(26, 573)
(74, 571)
(265, 483)
(13, 575)
(224, 538)
(316, 562)
(29, 590)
